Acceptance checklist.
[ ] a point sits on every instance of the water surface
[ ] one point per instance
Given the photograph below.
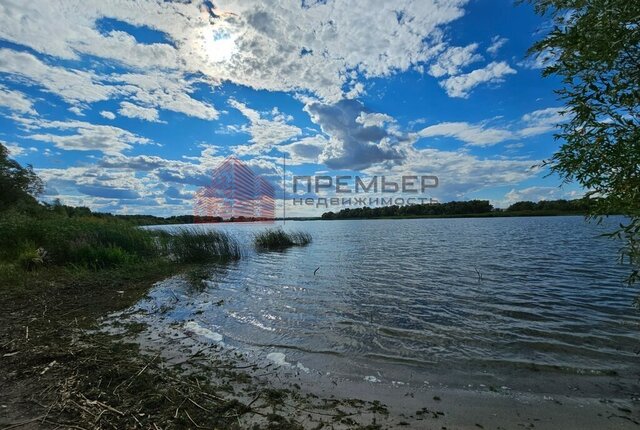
(517, 302)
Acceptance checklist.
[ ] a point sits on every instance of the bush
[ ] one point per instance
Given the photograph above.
(31, 258)
(273, 239)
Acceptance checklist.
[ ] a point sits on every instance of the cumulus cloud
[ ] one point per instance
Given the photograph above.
(16, 150)
(353, 144)
(541, 121)
(162, 170)
(76, 110)
(377, 119)
(537, 193)
(323, 51)
(140, 163)
(118, 181)
(460, 173)
(164, 91)
(305, 150)
(461, 85)
(91, 180)
(453, 59)
(107, 114)
(134, 111)
(16, 101)
(152, 89)
(72, 85)
(84, 136)
(108, 192)
(265, 133)
(284, 45)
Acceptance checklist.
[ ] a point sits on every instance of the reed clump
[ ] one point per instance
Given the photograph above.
(277, 238)
(195, 246)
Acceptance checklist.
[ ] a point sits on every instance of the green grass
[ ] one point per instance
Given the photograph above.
(84, 242)
(193, 246)
(33, 243)
(276, 238)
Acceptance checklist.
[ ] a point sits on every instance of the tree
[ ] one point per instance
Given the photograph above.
(594, 46)
(17, 183)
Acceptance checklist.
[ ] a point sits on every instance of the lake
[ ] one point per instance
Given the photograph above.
(528, 305)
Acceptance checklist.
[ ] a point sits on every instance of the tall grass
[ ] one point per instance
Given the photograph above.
(277, 238)
(91, 243)
(193, 246)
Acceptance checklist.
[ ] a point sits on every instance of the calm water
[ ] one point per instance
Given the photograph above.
(418, 299)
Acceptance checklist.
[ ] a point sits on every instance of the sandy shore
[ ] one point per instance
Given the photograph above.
(385, 403)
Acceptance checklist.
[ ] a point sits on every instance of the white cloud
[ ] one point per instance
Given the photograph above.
(134, 111)
(537, 193)
(453, 59)
(76, 110)
(107, 114)
(16, 101)
(164, 91)
(354, 141)
(16, 150)
(153, 89)
(497, 42)
(472, 134)
(459, 172)
(305, 150)
(531, 124)
(85, 137)
(540, 60)
(265, 133)
(368, 119)
(541, 121)
(72, 85)
(461, 85)
(284, 45)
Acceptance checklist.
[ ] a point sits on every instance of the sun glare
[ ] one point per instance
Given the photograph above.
(220, 45)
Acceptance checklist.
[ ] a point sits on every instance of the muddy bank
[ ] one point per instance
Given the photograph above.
(58, 370)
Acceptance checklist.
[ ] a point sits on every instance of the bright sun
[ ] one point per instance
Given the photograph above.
(220, 45)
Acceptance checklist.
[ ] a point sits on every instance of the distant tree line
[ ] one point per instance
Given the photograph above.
(465, 208)
(57, 208)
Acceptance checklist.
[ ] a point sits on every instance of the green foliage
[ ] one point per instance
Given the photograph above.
(578, 206)
(434, 209)
(17, 183)
(595, 48)
(277, 238)
(30, 257)
(87, 242)
(194, 246)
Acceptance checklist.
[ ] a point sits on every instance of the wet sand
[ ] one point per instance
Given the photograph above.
(562, 402)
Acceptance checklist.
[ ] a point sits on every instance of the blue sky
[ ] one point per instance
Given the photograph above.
(127, 106)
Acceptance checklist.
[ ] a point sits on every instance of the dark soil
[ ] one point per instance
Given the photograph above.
(57, 371)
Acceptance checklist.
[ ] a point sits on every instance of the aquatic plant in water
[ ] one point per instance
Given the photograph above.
(277, 238)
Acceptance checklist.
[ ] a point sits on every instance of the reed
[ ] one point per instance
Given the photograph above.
(91, 243)
(277, 238)
(194, 246)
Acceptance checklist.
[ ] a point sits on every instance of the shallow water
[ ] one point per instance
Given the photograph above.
(521, 302)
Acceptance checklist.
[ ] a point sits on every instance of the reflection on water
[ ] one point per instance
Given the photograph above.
(468, 296)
